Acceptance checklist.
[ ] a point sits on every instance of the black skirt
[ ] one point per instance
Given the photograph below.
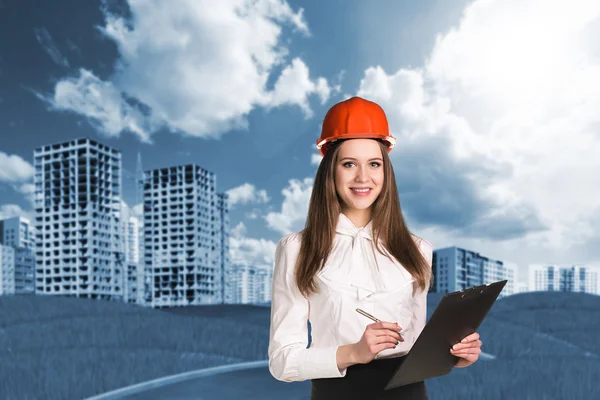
(367, 382)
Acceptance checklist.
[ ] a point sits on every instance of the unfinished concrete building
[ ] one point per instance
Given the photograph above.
(77, 200)
(183, 237)
(223, 211)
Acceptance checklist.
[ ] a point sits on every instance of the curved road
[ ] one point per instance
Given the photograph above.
(249, 380)
(253, 383)
(240, 381)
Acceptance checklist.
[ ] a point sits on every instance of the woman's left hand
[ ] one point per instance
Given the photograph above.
(468, 350)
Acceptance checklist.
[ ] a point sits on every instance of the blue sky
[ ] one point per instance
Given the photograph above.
(240, 89)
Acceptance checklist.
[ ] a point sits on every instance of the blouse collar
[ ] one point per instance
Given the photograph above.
(346, 227)
(362, 260)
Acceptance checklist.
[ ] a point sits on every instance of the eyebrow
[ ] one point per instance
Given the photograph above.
(354, 159)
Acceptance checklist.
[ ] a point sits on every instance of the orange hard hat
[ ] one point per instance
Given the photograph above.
(355, 118)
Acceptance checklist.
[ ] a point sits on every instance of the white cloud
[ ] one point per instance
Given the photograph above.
(254, 214)
(247, 193)
(294, 86)
(45, 39)
(28, 189)
(513, 115)
(14, 169)
(248, 251)
(102, 103)
(208, 69)
(294, 209)
(315, 159)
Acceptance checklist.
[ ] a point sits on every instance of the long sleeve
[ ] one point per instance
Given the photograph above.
(420, 301)
(289, 358)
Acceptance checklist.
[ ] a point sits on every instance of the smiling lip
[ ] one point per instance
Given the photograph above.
(361, 191)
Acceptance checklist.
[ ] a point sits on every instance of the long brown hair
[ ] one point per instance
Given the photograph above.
(388, 225)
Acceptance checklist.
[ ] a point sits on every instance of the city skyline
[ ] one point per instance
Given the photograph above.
(470, 170)
(241, 266)
(78, 186)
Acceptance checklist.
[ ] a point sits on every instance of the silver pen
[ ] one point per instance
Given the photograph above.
(366, 314)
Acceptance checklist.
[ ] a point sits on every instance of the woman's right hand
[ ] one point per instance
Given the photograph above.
(377, 336)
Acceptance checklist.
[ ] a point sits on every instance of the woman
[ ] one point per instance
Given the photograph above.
(354, 252)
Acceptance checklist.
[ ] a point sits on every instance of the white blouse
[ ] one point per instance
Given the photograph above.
(355, 275)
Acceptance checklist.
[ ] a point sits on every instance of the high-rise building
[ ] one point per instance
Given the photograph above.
(456, 269)
(77, 201)
(130, 246)
(24, 271)
(143, 272)
(133, 283)
(7, 270)
(132, 240)
(17, 232)
(130, 234)
(510, 273)
(252, 285)
(182, 237)
(232, 284)
(223, 212)
(563, 278)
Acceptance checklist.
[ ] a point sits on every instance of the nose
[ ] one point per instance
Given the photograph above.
(361, 174)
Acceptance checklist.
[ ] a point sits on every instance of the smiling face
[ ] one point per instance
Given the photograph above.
(359, 174)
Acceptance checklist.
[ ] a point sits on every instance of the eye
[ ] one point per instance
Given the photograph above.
(376, 164)
(347, 164)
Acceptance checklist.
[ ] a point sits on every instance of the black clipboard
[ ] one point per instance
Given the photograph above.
(457, 315)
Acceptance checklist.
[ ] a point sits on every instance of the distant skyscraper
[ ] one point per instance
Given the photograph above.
(7, 270)
(253, 285)
(223, 212)
(232, 284)
(563, 278)
(510, 273)
(130, 234)
(77, 200)
(17, 232)
(132, 250)
(139, 180)
(130, 246)
(458, 269)
(24, 271)
(182, 237)
(143, 271)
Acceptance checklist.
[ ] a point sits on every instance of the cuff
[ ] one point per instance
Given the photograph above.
(321, 362)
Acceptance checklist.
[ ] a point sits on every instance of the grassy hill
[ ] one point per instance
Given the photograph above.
(65, 348)
(547, 347)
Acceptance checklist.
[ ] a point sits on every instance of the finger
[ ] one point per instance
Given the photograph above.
(383, 332)
(462, 353)
(385, 339)
(379, 348)
(466, 353)
(467, 345)
(385, 325)
(471, 337)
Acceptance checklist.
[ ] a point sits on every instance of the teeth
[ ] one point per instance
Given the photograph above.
(361, 190)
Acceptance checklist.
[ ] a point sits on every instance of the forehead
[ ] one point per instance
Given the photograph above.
(360, 148)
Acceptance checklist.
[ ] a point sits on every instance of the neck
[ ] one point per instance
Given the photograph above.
(359, 218)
